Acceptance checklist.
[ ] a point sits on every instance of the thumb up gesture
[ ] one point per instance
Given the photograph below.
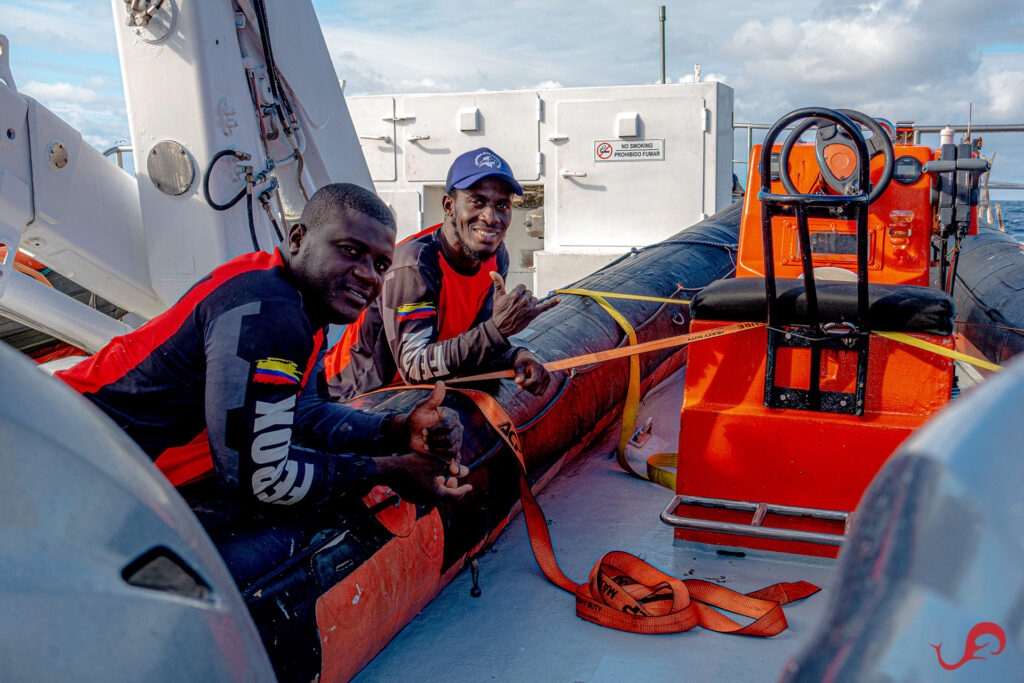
(514, 310)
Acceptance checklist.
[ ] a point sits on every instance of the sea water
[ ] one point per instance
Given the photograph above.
(1013, 218)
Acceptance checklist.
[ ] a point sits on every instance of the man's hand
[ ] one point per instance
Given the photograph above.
(530, 373)
(422, 479)
(433, 430)
(514, 310)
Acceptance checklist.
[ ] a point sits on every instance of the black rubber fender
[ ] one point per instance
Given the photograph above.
(989, 294)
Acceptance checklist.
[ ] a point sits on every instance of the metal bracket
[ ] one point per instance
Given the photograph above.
(814, 399)
(5, 63)
(755, 528)
(643, 434)
(151, 20)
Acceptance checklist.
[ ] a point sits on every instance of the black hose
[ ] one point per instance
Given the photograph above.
(252, 223)
(206, 180)
(299, 165)
(264, 200)
(268, 53)
(943, 280)
(955, 265)
(260, 8)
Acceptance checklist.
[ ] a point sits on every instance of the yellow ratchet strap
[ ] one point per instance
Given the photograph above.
(940, 350)
(631, 407)
(657, 473)
(613, 295)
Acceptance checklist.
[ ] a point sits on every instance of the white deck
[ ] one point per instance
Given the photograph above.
(524, 628)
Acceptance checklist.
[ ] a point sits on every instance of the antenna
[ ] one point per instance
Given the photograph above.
(970, 114)
(661, 19)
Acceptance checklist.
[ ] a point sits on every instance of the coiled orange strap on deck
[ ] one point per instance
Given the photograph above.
(628, 594)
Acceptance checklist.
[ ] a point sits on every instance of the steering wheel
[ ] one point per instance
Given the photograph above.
(835, 151)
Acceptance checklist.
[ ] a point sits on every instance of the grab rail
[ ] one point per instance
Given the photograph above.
(755, 528)
(919, 130)
(117, 151)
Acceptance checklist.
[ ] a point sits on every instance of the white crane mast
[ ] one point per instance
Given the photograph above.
(199, 87)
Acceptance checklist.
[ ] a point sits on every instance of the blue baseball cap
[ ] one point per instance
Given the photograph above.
(472, 166)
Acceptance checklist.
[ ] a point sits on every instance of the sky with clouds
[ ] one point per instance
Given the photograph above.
(899, 59)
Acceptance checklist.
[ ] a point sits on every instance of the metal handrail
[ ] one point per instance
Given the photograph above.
(919, 130)
(963, 128)
(751, 127)
(118, 151)
(755, 528)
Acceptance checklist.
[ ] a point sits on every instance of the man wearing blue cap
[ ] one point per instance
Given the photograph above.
(444, 310)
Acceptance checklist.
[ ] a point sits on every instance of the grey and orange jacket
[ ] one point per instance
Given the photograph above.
(431, 321)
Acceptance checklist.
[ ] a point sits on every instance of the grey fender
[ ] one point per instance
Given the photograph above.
(933, 572)
(105, 574)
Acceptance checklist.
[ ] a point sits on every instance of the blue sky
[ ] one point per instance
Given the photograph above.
(899, 59)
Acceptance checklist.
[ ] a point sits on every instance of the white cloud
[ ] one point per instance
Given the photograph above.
(1006, 93)
(901, 59)
(102, 83)
(710, 77)
(925, 62)
(918, 60)
(96, 112)
(64, 27)
(60, 92)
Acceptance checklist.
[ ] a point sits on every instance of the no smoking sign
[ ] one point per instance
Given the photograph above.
(629, 150)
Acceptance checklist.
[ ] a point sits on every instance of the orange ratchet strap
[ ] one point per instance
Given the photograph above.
(612, 354)
(628, 594)
(656, 464)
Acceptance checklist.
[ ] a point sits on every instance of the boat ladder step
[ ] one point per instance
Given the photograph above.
(755, 527)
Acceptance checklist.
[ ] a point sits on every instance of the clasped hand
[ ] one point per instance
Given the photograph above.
(432, 471)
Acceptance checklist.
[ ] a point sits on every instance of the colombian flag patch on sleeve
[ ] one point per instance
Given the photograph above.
(423, 309)
(276, 371)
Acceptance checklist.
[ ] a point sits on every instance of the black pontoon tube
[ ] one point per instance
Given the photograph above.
(988, 295)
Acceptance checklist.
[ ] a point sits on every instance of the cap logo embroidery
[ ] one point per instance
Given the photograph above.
(486, 159)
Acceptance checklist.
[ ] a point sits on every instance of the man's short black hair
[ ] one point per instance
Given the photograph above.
(330, 200)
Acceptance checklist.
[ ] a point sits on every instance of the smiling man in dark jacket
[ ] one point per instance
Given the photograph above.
(212, 384)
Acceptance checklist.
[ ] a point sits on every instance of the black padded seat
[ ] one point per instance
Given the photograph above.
(891, 308)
